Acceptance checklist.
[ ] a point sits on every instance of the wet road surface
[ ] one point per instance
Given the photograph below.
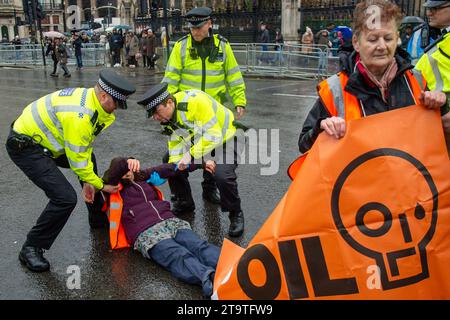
(124, 274)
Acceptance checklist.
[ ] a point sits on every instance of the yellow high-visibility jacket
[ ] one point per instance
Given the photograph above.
(435, 67)
(199, 125)
(67, 122)
(185, 73)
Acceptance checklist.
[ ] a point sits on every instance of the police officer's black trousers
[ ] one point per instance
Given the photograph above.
(43, 171)
(224, 176)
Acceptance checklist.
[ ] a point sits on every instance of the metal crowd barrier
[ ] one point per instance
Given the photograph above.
(259, 59)
(93, 54)
(296, 61)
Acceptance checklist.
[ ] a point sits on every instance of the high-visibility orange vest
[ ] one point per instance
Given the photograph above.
(117, 236)
(340, 103)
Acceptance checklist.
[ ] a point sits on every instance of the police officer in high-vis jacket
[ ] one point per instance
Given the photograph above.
(205, 61)
(57, 130)
(435, 63)
(199, 126)
(424, 37)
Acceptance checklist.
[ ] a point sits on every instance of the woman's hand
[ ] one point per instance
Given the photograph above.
(334, 126)
(134, 165)
(432, 99)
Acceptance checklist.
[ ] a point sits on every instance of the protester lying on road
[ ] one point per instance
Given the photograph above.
(151, 227)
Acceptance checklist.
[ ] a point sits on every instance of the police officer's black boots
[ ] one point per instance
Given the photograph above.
(236, 224)
(211, 195)
(182, 205)
(34, 259)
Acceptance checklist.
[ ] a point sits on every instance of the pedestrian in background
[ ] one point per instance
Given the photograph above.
(307, 41)
(77, 44)
(17, 46)
(279, 47)
(143, 48)
(115, 45)
(336, 42)
(152, 44)
(133, 49)
(325, 45)
(51, 50)
(264, 38)
(62, 55)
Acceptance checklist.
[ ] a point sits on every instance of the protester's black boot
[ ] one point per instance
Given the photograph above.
(236, 224)
(34, 259)
(182, 205)
(211, 195)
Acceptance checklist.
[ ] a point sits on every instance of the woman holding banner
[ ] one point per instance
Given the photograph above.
(375, 77)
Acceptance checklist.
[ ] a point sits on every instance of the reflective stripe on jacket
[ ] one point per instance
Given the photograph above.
(67, 122)
(206, 121)
(435, 67)
(184, 73)
(117, 236)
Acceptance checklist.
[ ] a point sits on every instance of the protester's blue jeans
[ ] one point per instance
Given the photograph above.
(188, 258)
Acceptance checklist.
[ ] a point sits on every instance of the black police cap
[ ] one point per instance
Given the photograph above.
(153, 97)
(116, 86)
(197, 17)
(436, 3)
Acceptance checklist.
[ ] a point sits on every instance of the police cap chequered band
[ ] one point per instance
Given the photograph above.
(113, 93)
(156, 101)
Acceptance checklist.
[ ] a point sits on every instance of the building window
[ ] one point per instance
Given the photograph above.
(55, 19)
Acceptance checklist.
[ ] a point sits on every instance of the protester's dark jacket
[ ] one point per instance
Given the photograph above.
(399, 95)
(142, 208)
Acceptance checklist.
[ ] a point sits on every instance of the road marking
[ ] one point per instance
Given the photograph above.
(280, 86)
(294, 95)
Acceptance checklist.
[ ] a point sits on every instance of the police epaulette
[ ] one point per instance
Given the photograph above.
(182, 106)
(94, 118)
(222, 38)
(182, 38)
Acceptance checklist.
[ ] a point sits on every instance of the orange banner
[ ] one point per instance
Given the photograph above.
(366, 217)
